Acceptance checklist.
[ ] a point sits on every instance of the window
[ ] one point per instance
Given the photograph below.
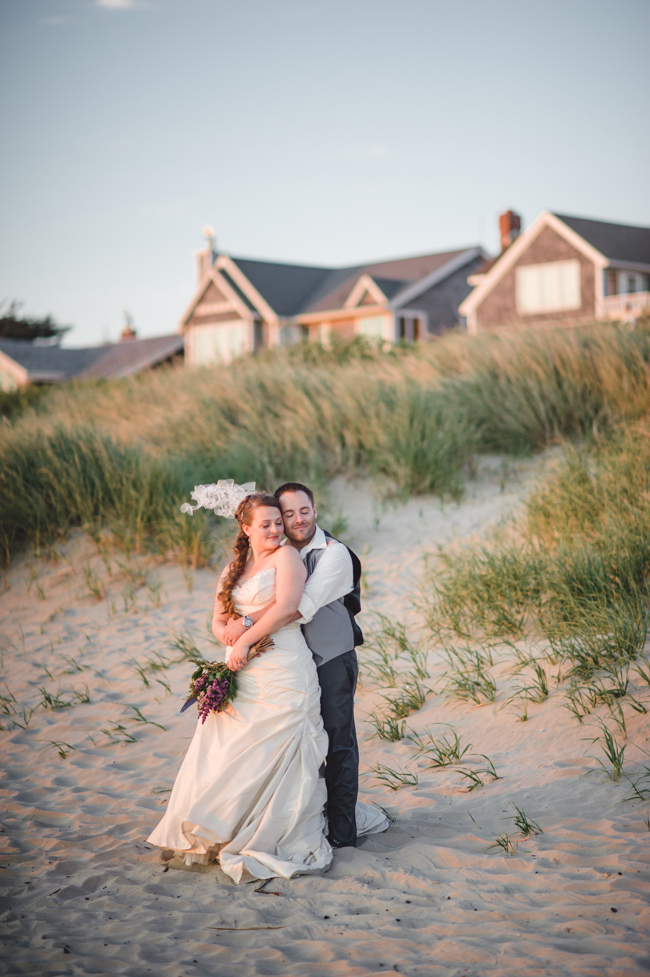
(551, 287)
(610, 281)
(411, 328)
(202, 350)
(258, 334)
(372, 326)
(218, 344)
(631, 284)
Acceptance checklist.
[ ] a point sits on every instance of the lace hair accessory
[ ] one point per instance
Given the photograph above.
(223, 497)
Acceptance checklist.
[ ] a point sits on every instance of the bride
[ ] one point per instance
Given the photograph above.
(250, 790)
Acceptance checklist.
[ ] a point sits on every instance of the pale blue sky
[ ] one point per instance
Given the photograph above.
(325, 132)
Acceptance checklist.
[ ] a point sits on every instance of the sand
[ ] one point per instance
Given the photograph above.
(423, 898)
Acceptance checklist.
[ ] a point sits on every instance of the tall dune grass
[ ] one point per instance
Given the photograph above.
(575, 571)
(53, 480)
(124, 453)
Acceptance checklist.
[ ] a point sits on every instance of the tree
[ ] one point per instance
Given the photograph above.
(15, 326)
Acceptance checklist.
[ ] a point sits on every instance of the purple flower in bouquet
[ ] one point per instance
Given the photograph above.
(214, 697)
(212, 686)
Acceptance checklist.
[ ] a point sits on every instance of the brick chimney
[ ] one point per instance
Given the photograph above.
(128, 332)
(509, 228)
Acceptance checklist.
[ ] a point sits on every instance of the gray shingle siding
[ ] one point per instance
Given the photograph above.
(441, 301)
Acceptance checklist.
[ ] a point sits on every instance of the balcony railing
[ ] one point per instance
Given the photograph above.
(627, 306)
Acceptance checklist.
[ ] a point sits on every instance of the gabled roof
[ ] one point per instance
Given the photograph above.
(601, 242)
(456, 261)
(56, 363)
(235, 287)
(389, 286)
(618, 242)
(286, 288)
(294, 289)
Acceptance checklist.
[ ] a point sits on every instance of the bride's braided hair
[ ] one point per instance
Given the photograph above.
(244, 517)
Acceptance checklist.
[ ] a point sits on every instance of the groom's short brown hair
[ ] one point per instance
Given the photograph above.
(294, 487)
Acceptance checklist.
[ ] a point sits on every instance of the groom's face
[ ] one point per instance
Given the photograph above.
(298, 516)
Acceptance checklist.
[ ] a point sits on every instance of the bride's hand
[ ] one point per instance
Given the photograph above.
(238, 656)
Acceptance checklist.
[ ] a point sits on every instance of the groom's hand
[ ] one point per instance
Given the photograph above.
(233, 631)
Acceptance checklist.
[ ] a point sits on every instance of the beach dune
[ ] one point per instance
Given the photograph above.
(88, 772)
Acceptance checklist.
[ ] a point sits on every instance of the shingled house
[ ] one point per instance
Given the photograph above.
(241, 305)
(561, 269)
(23, 362)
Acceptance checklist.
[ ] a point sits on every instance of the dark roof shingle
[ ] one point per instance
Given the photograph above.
(286, 288)
(618, 242)
(50, 362)
(123, 359)
(57, 363)
(294, 289)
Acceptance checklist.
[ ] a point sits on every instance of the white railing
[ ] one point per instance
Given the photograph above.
(626, 306)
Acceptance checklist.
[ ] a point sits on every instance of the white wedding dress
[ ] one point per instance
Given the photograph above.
(249, 790)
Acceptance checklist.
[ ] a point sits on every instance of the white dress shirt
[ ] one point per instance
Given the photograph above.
(332, 578)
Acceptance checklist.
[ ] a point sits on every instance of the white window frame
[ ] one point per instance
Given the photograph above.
(373, 327)
(220, 341)
(551, 286)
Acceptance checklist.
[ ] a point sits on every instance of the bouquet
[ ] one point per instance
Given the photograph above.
(213, 685)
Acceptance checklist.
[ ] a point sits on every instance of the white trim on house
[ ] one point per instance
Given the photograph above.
(333, 315)
(212, 308)
(576, 240)
(365, 283)
(468, 307)
(439, 275)
(240, 279)
(234, 302)
(626, 305)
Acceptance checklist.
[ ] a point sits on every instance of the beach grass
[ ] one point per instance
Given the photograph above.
(570, 576)
(122, 455)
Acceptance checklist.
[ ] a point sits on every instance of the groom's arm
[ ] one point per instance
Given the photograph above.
(333, 578)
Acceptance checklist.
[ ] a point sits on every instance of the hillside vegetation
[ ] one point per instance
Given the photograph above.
(120, 456)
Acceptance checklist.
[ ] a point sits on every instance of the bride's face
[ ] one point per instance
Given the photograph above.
(266, 528)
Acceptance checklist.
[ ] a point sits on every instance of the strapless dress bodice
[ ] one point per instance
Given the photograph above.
(256, 592)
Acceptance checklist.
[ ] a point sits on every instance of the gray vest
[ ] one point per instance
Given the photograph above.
(329, 633)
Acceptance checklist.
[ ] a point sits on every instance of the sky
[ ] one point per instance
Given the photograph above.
(314, 132)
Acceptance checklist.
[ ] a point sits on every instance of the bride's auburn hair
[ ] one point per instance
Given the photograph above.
(244, 517)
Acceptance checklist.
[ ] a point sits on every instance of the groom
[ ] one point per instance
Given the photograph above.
(326, 612)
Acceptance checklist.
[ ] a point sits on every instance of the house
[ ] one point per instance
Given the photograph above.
(242, 305)
(23, 362)
(561, 269)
